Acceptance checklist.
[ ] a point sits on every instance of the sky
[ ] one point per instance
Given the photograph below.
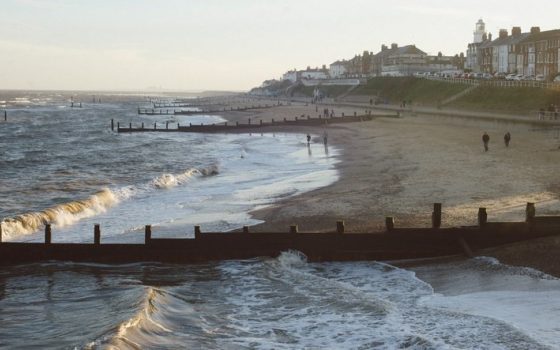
(199, 45)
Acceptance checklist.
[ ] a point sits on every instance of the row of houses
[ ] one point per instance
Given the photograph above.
(390, 61)
(395, 61)
(530, 53)
(515, 52)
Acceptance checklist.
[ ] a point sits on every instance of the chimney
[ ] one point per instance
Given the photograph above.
(383, 47)
(394, 46)
(490, 36)
(324, 67)
(503, 33)
(515, 31)
(535, 30)
(484, 37)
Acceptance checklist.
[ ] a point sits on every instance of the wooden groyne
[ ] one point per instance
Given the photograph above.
(250, 125)
(156, 111)
(392, 244)
(171, 105)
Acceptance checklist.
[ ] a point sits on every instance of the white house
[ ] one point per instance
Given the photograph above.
(337, 69)
(314, 73)
(291, 75)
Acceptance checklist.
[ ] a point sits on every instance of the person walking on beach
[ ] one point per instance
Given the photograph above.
(308, 139)
(485, 140)
(507, 138)
(325, 137)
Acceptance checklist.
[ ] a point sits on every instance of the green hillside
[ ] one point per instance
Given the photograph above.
(419, 91)
(507, 99)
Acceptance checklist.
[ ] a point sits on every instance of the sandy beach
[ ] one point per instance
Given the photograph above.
(400, 166)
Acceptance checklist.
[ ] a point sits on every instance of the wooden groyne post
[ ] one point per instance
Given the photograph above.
(389, 223)
(147, 234)
(530, 212)
(482, 217)
(96, 234)
(340, 226)
(48, 234)
(436, 216)
(5, 116)
(112, 125)
(0, 232)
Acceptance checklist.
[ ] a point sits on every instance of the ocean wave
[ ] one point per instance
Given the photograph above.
(69, 213)
(170, 180)
(173, 180)
(143, 319)
(60, 215)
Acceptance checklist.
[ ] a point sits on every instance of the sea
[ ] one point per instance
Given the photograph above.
(65, 166)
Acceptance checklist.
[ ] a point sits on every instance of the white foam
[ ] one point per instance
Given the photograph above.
(535, 313)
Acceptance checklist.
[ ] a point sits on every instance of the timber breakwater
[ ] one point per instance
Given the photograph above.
(161, 109)
(392, 244)
(250, 125)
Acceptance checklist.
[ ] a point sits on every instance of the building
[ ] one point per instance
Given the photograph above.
(291, 75)
(533, 53)
(479, 31)
(338, 69)
(505, 49)
(539, 53)
(402, 61)
(315, 73)
(473, 60)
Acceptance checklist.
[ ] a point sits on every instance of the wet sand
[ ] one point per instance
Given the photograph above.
(399, 167)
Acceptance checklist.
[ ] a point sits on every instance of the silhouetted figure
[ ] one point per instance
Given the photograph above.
(325, 137)
(308, 138)
(485, 140)
(507, 138)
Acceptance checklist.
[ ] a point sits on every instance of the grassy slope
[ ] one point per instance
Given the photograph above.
(430, 92)
(419, 91)
(511, 100)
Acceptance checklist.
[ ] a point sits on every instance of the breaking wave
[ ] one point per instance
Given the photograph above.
(171, 180)
(69, 213)
(60, 215)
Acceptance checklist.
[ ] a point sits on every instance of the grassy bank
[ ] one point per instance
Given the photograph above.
(423, 92)
(507, 99)
(419, 91)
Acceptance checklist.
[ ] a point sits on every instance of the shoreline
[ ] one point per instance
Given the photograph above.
(399, 167)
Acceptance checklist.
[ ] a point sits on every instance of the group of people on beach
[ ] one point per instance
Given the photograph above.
(486, 140)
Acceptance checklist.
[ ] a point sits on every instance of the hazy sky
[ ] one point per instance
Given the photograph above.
(227, 44)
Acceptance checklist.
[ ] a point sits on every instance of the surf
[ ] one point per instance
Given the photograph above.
(67, 214)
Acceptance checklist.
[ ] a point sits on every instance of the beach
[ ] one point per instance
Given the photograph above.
(269, 178)
(400, 166)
